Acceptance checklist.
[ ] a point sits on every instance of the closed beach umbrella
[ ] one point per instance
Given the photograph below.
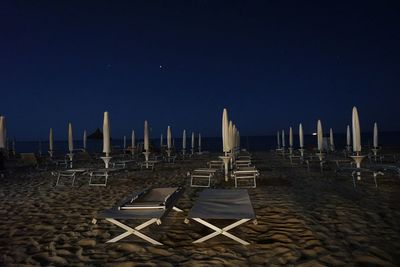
(331, 143)
(238, 139)
(301, 135)
(199, 140)
(230, 130)
(375, 135)
(169, 137)
(192, 140)
(146, 136)
(348, 136)
(84, 139)
(106, 134)
(133, 139)
(2, 132)
(278, 139)
(184, 140)
(283, 139)
(356, 131)
(161, 140)
(290, 137)
(225, 131)
(320, 135)
(70, 138)
(124, 142)
(51, 140)
(234, 137)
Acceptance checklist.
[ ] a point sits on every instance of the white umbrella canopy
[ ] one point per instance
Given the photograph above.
(169, 137)
(84, 139)
(192, 140)
(375, 135)
(238, 139)
(348, 136)
(2, 132)
(301, 136)
(278, 139)
(290, 137)
(184, 139)
(320, 136)
(146, 137)
(133, 139)
(356, 131)
(106, 134)
(234, 137)
(331, 142)
(199, 139)
(283, 139)
(51, 140)
(230, 130)
(70, 138)
(225, 131)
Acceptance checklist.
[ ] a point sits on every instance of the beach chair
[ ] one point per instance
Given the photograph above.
(248, 175)
(356, 171)
(243, 163)
(122, 163)
(99, 177)
(222, 204)
(216, 164)
(198, 176)
(152, 205)
(68, 173)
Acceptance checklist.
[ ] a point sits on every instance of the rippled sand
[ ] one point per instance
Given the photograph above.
(304, 219)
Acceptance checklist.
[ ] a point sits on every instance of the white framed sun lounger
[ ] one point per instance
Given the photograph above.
(218, 164)
(122, 163)
(69, 173)
(199, 175)
(222, 204)
(167, 197)
(100, 174)
(355, 171)
(249, 175)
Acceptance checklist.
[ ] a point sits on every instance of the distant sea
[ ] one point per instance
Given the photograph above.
(214, 144)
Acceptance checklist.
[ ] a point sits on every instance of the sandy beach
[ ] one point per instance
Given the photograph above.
(304, 219)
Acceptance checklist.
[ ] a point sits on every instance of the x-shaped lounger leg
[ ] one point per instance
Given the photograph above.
(221, 231)
(135, 231)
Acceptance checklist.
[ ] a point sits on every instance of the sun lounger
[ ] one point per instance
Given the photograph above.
(355, 171)
(101, 175)
(217, 164)
(243, 163)
(69, 173)
(222, 204)
(122, 163)
(246, 175)
(201, 174)
(151, 204)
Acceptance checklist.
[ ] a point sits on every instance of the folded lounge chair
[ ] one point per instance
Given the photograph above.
(355, 171)
(201, 174)
(68, 173)
(248, 175)
(222, 204)
(151, 204)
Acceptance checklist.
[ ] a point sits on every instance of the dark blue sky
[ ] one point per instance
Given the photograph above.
(271, 63)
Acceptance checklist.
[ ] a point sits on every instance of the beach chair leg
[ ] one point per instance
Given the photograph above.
(177, 209)
(58, 179)
(135, 231)
(221, 231)
(354, 179)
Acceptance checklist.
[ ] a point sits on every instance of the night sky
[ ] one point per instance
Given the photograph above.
(271, 63)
